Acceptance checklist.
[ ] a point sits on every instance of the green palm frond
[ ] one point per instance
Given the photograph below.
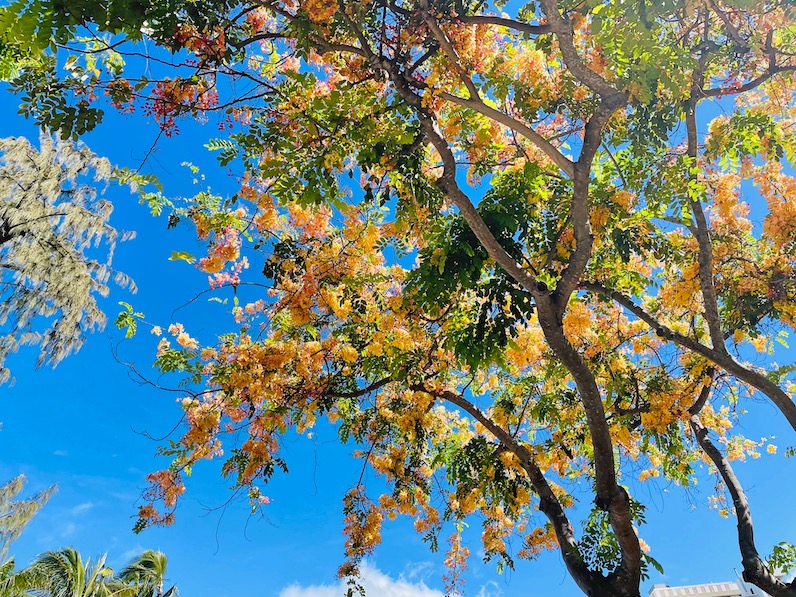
(64, 573)
(148, 572)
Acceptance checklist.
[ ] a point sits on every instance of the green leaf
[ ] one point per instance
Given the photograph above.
(182, 256)
(127, 319)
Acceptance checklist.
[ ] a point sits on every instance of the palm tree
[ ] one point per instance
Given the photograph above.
(63, 573)
(147, 573)
(13, 583)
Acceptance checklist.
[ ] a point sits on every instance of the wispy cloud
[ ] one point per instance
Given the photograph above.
(133, 552)
(62, 453)
(419, 570)
(68, 530)
(490, 589)
(373, 580)
(81, 508)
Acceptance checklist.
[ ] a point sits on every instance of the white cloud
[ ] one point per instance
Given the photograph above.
(62, 453)
(81, 508)
(133, 552)
(490, 589)
(375, 583)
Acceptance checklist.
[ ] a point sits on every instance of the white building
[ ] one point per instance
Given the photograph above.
(716, 589)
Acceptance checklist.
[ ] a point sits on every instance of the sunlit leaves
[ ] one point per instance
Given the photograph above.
(15, 513)
(600, 312)
(744, 135)
(783, 557)
(127, 319)
(50, 102)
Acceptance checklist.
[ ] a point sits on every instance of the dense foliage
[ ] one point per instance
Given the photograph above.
(573, 227)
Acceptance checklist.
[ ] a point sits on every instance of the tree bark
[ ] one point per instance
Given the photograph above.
(755, 570)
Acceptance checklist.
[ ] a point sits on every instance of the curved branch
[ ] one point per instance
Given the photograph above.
(610, 496)
(550, 150)
(772, 69)
(450, 51)
(581, 204)
(255, 38)
(754, 568)
(549, 504)
(704, 394)
(366, 390)
(475, 102)
(520, 27)
(724, 360)
(563, 32)
(749, 85)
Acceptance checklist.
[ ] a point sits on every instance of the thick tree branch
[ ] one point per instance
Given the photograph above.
(754, 568)
(520, 27)
(732, 30)
(702, 234)
(448, 185)
(581, 204)
(549, 503)
(724, 360)
(478, 105)
(475, 102)
(566, 40)
(610, 496)
(704, 394)
(255, 38)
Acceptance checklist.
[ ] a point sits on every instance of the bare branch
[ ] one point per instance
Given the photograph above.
(702, 231)
(450, 52)
(520, 27)
(366, 390)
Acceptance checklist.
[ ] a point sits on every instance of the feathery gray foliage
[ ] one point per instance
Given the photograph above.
(52, 225)
(14, 513)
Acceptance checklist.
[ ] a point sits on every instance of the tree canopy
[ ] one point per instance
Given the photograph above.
(514, 257)
(65, 573)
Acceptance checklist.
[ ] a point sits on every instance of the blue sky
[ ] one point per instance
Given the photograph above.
(87, 424)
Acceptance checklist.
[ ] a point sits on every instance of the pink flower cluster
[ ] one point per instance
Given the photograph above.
(225, 249)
